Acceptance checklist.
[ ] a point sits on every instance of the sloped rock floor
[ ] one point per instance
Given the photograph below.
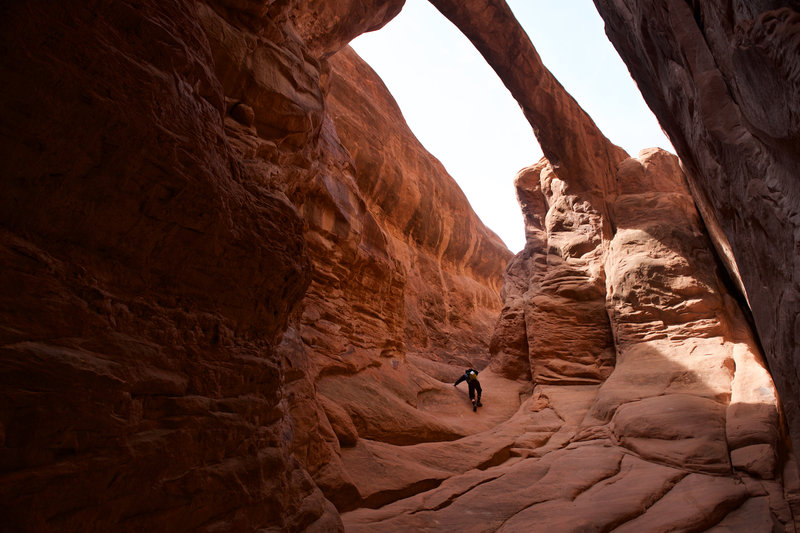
(531, 463)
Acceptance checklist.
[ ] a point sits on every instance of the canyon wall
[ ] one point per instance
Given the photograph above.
(610, 233)
(147, 279)
(195, 260)
(722, 78)
(236, 291)
(683, 410)
(406, 285)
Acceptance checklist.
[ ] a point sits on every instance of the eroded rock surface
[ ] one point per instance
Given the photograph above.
(683, 410)
(406, 283)
(194, 262)
(236, 292)
(723, 80)
(554, 295)
(677, 373)
(146, 281)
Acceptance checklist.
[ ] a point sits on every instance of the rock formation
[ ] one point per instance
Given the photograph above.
(194, 262)
(236, 291)
(722, 78)
(147, 278)
(631, 241)
(406, 283)
(683, 410)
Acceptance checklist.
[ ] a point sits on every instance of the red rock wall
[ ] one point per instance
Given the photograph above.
(722, 78)
(452, 262)
(618, 285)
(406, 280)
(684, 412)
(555, 292)
(195, 264)
(236, 290)
(146, 280)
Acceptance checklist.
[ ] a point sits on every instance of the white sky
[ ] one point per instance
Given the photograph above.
(461, 112)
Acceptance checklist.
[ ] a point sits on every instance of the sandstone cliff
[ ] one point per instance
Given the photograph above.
(236, 291)
(723, 81)
(147, 279)
(621, 234)
(195, 261)
(684, 410)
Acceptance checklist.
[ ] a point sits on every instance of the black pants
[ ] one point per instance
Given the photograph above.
(474, 385)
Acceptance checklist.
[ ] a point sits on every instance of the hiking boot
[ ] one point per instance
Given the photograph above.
(474, 407)
(480, 404)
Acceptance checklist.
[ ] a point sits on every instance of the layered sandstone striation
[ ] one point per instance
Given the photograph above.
(680, 374)
(237, 290)
(195, 262)
(683, 411)
(723, 81)
(147, 279)
(554, 324)
(452, 263)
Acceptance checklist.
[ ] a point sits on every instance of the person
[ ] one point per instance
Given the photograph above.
(471, 377)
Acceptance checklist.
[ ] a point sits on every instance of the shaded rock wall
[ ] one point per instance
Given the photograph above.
(193, 262)
(722, 78)
(327, 27)
(140, 382)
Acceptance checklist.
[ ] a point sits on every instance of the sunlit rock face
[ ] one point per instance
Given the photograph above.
(557, 285)
(683, 387)
(680, 379)
(722, 78)
(683, 345)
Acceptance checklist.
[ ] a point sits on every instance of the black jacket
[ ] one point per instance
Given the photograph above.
(465, 377)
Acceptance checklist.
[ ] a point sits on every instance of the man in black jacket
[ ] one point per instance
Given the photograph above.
(471, 377)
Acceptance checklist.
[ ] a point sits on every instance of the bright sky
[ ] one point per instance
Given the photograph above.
(461, 112)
